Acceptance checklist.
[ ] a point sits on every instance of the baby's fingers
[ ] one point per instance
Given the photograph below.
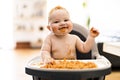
(48, 60)
(94, 32)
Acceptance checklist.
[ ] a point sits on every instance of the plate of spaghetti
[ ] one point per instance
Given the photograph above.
(70, 64)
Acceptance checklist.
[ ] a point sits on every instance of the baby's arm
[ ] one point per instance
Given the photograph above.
(45, 51)
(88, 44)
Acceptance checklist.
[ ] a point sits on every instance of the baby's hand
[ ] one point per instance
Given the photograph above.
(94, 32)
(48, 60)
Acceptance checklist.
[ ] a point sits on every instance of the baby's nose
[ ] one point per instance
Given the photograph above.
(63, 23)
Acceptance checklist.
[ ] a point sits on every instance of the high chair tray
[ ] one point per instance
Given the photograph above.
(103, 68)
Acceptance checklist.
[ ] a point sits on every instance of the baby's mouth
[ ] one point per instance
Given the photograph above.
(62, 29)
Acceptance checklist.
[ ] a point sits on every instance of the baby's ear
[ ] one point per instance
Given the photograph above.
(48, 27)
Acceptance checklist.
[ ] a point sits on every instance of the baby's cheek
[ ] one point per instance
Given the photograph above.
(70, 28)
(54, 29)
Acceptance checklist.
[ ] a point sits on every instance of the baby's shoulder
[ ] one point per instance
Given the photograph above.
(50, 35)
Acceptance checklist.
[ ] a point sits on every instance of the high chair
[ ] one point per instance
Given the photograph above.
(82, 32)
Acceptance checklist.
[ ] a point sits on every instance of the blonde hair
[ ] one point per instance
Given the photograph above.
(56, 8)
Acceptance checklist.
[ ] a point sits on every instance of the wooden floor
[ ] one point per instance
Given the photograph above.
(13, 62)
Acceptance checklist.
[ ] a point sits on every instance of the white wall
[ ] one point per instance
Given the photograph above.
(105, 15)
(6, 23)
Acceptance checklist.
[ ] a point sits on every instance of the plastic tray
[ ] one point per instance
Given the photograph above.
(103, 68)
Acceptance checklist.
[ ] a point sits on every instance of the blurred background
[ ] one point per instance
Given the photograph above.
(23, 29)
(24, 21)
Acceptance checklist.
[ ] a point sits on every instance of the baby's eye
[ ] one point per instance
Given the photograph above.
(66, 20)
(56, 21)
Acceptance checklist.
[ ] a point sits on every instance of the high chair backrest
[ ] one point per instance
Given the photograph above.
(83, 32)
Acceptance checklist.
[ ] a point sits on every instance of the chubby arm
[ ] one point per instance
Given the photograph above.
(46, 46)
(45, 51)
(88, 44)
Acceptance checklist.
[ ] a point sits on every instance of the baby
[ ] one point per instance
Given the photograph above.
(59, 44)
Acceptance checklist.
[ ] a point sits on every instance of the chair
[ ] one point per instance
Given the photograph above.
(82, 32)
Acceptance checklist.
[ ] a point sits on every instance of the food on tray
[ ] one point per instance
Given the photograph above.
(67, 64)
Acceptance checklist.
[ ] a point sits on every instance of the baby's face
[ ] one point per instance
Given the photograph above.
(60, 23)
